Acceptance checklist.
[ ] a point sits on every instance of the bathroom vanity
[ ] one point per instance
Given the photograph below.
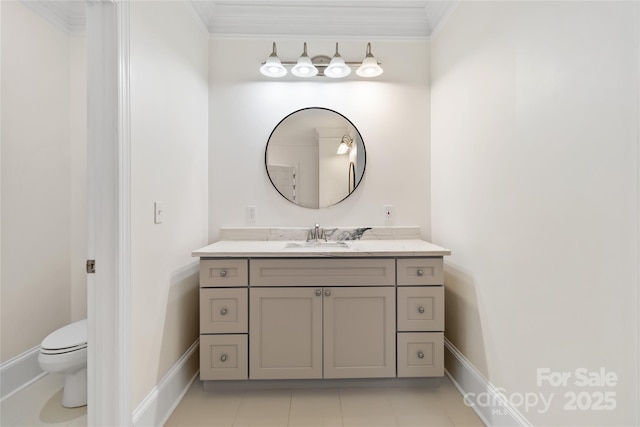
(275, 310)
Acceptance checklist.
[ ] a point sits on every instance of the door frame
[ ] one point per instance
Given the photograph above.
(109, 212)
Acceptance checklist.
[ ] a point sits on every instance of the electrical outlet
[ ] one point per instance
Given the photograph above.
(252, 215)
(388, 214)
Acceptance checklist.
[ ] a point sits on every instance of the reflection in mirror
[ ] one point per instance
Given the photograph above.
(315, 157)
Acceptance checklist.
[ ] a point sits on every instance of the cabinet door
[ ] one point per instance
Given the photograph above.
(359, 332)
(285, 333)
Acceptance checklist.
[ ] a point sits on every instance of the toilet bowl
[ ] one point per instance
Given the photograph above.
(64, 351)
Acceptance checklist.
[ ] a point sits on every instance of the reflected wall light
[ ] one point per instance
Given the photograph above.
(321, 65)
(345, 145)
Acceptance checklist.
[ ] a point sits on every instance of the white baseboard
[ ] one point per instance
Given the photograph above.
(156, 408)
(494, 409)
(20, 372)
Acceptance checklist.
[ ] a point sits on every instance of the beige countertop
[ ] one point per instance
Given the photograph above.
(355, 248)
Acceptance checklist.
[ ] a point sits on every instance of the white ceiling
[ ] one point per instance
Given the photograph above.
(309, 18)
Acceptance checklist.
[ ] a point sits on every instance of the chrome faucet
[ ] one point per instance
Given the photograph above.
(316, 233)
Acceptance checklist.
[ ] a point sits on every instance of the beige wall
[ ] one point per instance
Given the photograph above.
(535, 189)
(43, 178)
(391, 112)
(169, 104)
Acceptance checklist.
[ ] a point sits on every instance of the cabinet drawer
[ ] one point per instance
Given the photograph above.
(223, 272)
(322, 272)
(223, 310)
(223, 357)
(421, 308)
(421, 354)
(420, 271)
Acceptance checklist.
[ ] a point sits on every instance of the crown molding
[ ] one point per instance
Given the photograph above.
(415, 19)
(371, 19)
(67, 16)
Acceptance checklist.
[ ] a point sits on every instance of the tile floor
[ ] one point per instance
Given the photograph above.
(39, 405)
(347, 407)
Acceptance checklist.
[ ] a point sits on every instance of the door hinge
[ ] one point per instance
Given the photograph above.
(91, 266)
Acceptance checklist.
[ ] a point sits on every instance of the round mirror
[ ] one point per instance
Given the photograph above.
(315, 157)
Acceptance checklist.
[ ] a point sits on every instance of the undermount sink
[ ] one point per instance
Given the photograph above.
(317, 244)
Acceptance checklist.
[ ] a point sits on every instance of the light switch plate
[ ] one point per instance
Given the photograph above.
(158, 215)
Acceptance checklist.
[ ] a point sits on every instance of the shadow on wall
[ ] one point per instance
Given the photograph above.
(182, 317)
(462, 319)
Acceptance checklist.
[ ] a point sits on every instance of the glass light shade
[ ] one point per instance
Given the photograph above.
(369, 66)
(343, 148)
(304, 67)
(272, 67)
(337, 67)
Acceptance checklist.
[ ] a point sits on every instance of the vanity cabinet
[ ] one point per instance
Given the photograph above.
(310, 318)
(329, 332)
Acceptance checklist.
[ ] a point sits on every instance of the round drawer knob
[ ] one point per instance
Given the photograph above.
(224, 311)
(223, 273)
(318, 292)
(420, 309)
(420, 355)
(327, 293)
(223, 358)
(420, 273)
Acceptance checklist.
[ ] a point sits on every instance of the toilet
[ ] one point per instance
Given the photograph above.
(65, 352)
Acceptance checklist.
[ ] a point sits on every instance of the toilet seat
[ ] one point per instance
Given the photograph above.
(62, 350)
(70, 338)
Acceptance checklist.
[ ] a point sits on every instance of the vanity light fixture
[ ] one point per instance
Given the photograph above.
(345, 145)
(321, 65)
